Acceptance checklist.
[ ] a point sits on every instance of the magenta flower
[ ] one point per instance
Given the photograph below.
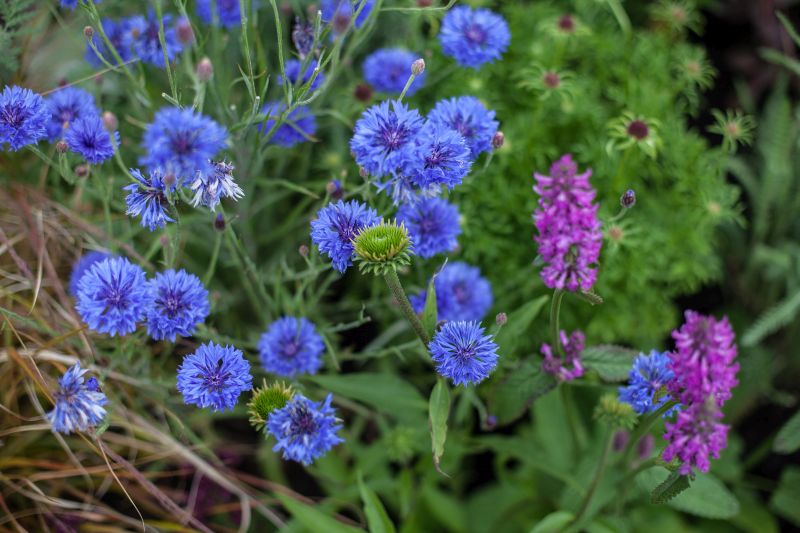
(573, 346)
(569, 236)
(696, 435)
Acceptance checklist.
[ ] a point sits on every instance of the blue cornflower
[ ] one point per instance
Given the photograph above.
(146, 42)
(65, 106)
(179, 302)
(82, 265)
(88, 137)
(214, 376)
(336, 226)
(463, 353)
(305, 430)
(291, 346)
(339, 12)
(120, 34)
(461, 293)
(388, 70)
(297, 127)
(648, 374)
(468, 116)
(474, 36)
(182, 141)
(113, 296)
(78, 406)
(441, 158)
(293, 68)
(23, 117)
(383, 139)
(228, 13)
(433, 225)
(148, 198)
(208, 189)
(72, 4)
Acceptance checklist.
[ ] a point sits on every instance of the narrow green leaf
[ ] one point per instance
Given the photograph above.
(554, 522)
(430, 315)
(788, 438)
(784, 500)
(772, 320)
(521, 387)
(669, 488)
(377, 518)
(612, 363)
(310, 517)
(518, 326)
(789, 28)
(438, 413)
(707, 496)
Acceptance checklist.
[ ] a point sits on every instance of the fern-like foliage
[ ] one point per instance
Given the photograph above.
(13, 15)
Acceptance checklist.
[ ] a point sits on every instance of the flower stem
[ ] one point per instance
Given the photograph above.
(407, 87)
(644, 426)
(598, 475)
(555, 310)
(405, 306)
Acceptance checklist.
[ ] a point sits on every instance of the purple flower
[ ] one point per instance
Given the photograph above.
(441, 158)
(120, 35)
(383, 139)
(388, 70)
(214, 376)
(335, 228)
(179, 303)
(339, 12)
(296, 127)
(433, 224)
(461, 293)
(474, 36)
(293, 75)
(82, 266)
(23, 117)
(227, 12)
(695, 435)
(648, 374)
(210, 188)
(569, 236)
(463, 353)
(291, 346)
(144, 32)
(573, 346)
(305, 430)
(468, 116)
(88, 137)
(148, 199)
(65, 106)
(78, 406)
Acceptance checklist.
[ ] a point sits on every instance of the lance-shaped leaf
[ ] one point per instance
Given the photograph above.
(438, 413)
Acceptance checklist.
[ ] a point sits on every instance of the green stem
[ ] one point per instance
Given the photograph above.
(598, 475)
(212, 264)
(575, 426)
(407, 87)
(621, 169)
(555, 310)
(644, 426)
(405, 306)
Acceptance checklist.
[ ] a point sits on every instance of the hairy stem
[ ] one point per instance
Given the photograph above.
(405, 306)
(598, 475)
(555, 311)
(644, 426)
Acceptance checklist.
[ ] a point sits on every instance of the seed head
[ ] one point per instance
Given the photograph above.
(265, 400)
(382, 248)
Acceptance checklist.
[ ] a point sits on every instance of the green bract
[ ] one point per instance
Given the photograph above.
(267, 399)
(383, 248)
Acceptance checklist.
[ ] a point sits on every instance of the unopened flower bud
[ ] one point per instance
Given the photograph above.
(164, 240)
(88, 32)
(645, 447)
(363, 92)
(61, 147)
(205, 70)
(184, 30)
(424, 3)
(219, 222)
(491, 422)
(303, 250)
(566, 24)
(551, 80)
(110, 122)
(621, 439)
(363, 172)
(498, 140)
(334, 188)
(170, 180)
(82, 171)
(501, 319)
(418, 67)
(628, 199)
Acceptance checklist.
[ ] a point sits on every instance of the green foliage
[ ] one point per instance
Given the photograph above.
(669, 488)
(784, 500)
(13, 16)
(613, 413)
(788, 438)
(612, 363)
(377, 518)
(706, 496)
(438, 413)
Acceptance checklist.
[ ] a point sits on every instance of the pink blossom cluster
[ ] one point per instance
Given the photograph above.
(573, 346)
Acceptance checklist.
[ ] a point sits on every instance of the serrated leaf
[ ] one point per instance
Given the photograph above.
(784, 500)
(522, 386)
(385, 392)
(554, 522)
(612, 363)
(772, 320)
(707, 496)
(669, 488)
(439, 410)
(519, 325)
(589, 296)
(377, 518)
(312, 518)
(788, 438)
(430, 314)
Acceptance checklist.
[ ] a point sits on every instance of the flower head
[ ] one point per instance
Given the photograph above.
(695, 436)
(82, 266)
(388, 69)
(382, 248)
(433, 224)
(461, 293)
(144, 32)
(573, 346)
(23, 117)
(290, 347)
(302, 37)
(88, 137)
(339, 12)
(569, 236)
(293, 74)
(463, 353)
(78, 407)
(210, 188)
(649, 374)
(227, 12)
(179, 304)
(65, 106)
(214, 376)
(468, 116)
(441, 157)
(305, 430)
(297, 126)
(148, 198)
(474, 36)
(265, 400)
(113, 296)
(632, 130)
(120, 35)
(383, 139)
(182, 141)
(335, 228)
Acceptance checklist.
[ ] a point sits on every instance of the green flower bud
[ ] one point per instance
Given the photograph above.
(615, 413)
(265, 400)
(383, 248)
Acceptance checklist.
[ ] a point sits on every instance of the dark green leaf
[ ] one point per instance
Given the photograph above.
(785, 500)
(707, 496)
(385, 392)
(519, 325)
(788, 438)
(430, 314)
(439, 411)
(512, 396)
(312, 518)
(669, 488)
(554, 522)
(613, 363)
(377, 518)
